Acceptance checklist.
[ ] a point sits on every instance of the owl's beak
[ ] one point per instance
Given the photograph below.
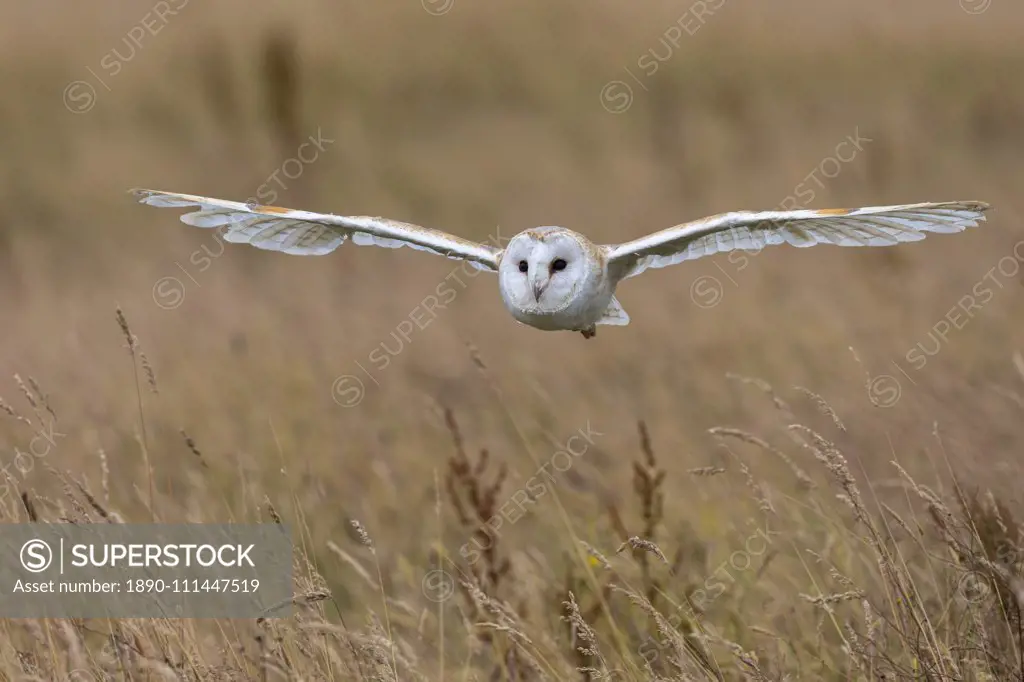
(538, 289)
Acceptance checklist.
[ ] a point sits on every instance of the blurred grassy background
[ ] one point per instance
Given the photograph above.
(477, 117)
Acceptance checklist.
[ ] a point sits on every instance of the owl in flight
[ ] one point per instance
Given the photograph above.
(553, 278)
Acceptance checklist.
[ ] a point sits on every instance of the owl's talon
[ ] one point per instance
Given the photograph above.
(589, 332)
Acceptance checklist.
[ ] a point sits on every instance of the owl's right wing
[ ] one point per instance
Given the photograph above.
(752, 230)
(314, 234)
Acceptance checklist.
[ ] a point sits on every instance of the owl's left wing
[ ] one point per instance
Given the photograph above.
(314, 234)
(752, 230)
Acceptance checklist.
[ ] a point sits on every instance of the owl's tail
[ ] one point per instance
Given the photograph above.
(614, 314)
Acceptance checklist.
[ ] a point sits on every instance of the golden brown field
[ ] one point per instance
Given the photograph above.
(816, 455)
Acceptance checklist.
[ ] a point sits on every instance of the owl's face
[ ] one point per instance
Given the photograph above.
(543, 271)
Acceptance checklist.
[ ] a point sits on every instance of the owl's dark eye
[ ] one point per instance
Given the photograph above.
(558, 264)
(523, 266)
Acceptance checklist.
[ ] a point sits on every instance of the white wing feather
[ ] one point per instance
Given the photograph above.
(314, 234)
(752, 230)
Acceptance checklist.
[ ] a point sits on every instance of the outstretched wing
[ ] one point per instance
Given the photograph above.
(314, 234)
(752, 230)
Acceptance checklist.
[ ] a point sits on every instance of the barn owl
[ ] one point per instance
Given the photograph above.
(555, 279)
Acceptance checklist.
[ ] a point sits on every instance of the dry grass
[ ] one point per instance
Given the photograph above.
(477, 500)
